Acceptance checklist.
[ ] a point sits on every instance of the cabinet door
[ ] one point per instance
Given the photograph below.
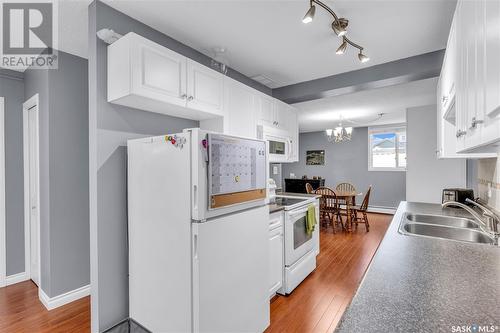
(204, 88)
(267, 115)
(275, 260)
(241, 108)
(281, 114)
(461, 81)
(293, 131)
(491, 125)
(157, 72)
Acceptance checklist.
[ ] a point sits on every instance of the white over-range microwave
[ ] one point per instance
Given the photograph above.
(278, 143)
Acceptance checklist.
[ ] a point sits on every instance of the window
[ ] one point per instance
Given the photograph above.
(387, 148)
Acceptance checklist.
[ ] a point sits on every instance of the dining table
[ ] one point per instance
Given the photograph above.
(349, 197)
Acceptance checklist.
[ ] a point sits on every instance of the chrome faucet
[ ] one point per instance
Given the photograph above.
(492, 219)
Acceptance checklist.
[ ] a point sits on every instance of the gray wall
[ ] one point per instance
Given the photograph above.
(109, 127)
(69, 175)
(64, 207)
(427, 176)
(348, 162)
(12, 89)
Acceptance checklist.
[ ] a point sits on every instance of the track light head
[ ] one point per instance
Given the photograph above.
(342, 47)
(340, 26)
(362, 57)
(309, 15)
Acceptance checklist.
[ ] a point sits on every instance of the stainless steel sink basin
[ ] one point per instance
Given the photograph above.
(457, 222)
(444, 227)
(437, 231)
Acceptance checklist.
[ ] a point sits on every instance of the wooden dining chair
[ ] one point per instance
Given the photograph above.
(329, 207)
(309, 188)
(346, 187)
(360, 212)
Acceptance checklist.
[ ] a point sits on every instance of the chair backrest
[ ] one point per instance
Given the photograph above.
(366, 199)
(309, 188)
(328, 200)
(324, 191)
(345, 187)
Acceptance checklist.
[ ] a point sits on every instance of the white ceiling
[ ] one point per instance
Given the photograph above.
(361, 108)
(268, 37)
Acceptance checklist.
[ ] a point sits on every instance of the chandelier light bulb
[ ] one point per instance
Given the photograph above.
(329, 131)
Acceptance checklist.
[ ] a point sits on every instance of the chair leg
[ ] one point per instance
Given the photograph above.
(367, 225)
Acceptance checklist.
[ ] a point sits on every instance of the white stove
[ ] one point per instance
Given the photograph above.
(300, 248)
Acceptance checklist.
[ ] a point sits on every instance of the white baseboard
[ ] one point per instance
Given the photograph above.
(16, 278)
(383, 210)
(60, 300)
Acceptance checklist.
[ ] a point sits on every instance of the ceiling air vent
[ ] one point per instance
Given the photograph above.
(266, 81)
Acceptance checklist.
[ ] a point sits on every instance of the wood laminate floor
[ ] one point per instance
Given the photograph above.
(315, 306)
(318, 303)
(22, 311)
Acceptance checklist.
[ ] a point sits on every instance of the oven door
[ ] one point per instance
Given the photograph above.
(297, 241)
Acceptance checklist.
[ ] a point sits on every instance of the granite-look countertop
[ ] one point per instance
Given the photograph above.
(273, 208)
(419, 284)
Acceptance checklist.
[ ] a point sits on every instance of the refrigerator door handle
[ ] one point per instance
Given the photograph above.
(195, 197)
(195, 246)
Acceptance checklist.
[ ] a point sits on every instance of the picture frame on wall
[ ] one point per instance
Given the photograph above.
(315, 157)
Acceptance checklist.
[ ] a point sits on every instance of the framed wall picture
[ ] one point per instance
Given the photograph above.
(315, 157)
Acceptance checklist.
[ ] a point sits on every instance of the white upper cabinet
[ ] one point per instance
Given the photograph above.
(267, 110)
(241, 109)
(205, 88)
(145, 75)
(474, 77)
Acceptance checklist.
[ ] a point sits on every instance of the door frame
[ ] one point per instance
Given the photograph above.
(29, 104)
(3, 237)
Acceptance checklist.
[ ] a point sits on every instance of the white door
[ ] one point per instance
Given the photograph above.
(158, 72)
(204, 88)
(230, 272)
(275, 260)
(32, 185)
(297, 241)
(240, 103)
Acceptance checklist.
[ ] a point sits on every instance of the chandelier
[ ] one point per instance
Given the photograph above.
(339, 26)
(339, 134)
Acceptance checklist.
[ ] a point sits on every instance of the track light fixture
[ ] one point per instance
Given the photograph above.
(342, 47)
(309, 15)
(339, 26)
(362, 57)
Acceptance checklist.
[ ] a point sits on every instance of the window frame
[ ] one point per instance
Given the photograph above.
(394, 128)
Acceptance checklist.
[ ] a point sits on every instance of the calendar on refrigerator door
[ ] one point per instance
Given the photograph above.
(236, 170)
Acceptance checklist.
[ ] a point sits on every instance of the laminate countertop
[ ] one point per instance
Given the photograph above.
(420, 284)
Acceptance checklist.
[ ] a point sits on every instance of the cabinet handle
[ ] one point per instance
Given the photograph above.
(190, 98)
(475, 122)
(460, 133)
(444, 99)
(183, 96)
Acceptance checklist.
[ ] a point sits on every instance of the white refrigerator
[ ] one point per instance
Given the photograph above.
(198, 233)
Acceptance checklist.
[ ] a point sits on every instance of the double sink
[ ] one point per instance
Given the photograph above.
(444, 227)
